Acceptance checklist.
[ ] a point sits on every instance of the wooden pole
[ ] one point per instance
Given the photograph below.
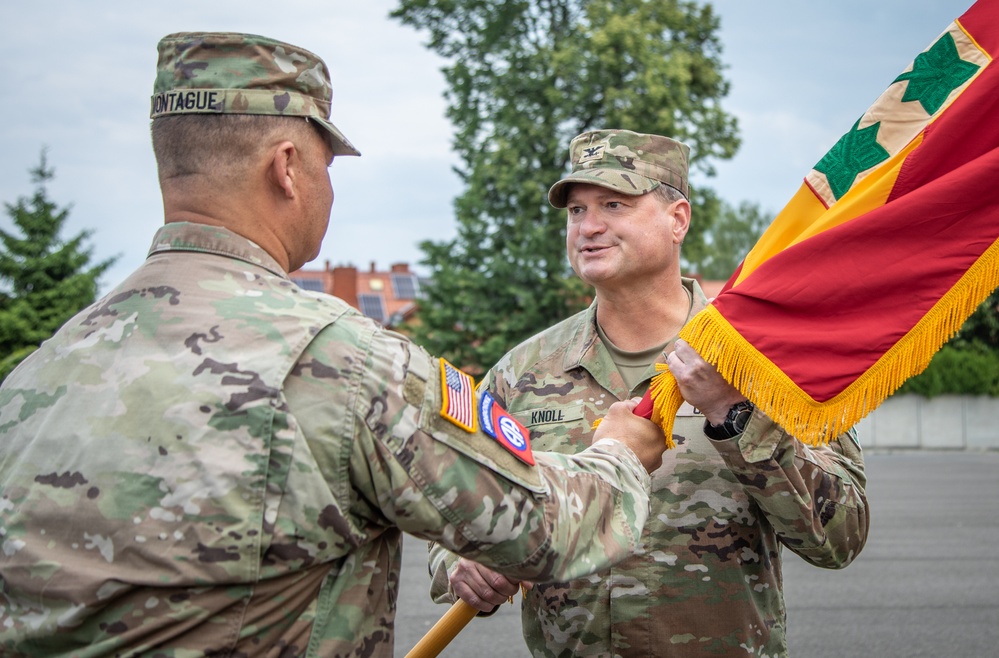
(445, 630)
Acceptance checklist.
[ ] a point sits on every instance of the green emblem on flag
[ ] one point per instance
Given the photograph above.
(935, 73)
(856, 151)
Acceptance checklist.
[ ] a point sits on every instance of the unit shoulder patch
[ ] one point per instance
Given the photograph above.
(503, 427)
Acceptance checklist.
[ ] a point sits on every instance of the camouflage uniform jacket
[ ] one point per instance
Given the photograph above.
(707, 579)
(212, 461)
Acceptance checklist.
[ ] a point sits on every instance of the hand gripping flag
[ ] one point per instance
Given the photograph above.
(891, 242)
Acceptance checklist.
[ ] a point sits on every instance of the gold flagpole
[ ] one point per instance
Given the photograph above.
(445, 630)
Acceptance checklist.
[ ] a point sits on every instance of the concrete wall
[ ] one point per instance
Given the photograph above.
(948, 422)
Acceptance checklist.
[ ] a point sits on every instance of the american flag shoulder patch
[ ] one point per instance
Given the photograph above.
(458, 397)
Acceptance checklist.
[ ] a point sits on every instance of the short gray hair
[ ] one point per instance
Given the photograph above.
(667, 193)
(217, 145)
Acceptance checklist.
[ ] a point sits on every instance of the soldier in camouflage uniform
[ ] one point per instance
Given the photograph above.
(212, 461)
(706, 580)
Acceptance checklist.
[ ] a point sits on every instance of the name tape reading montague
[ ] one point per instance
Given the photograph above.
(196, 100)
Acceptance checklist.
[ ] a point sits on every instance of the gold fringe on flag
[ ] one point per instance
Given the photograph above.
(776, 395)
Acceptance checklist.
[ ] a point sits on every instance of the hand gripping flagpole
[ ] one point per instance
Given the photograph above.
(660, 403)
(445, 630)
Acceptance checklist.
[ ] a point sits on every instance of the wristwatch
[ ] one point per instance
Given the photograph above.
(734, 424)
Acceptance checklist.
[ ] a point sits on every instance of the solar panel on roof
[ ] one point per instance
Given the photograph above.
(405, 286)
(315, 285)
(372, 306)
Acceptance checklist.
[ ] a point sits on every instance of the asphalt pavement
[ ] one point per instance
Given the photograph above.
(926, 584)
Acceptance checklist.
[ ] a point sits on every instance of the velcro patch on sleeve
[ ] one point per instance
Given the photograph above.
(458, 397)
(503, 427)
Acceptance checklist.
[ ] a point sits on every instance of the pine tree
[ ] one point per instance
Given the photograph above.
(44, 280)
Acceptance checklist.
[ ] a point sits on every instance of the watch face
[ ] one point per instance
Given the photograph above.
(735, 422)
(742, 419)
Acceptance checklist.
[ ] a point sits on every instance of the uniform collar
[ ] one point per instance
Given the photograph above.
(201, 238)
(585, 349)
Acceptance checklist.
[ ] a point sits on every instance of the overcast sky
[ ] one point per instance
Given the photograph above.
(77, 77)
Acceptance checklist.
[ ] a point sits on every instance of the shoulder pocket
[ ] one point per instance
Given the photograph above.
(488, 452)
(438, 419)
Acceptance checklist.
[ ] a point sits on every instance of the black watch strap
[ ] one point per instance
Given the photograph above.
(734, 424)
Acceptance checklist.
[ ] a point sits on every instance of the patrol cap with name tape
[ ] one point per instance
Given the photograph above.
(625, 161)
(232, 73)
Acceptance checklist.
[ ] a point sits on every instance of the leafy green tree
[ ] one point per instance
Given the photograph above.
(44, 280)
(524, 77)
(729, 239)
(970, 371)
(968, 364)
(982, 327)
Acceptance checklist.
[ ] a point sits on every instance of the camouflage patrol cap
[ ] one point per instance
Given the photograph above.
(628, 162)
(230, 73)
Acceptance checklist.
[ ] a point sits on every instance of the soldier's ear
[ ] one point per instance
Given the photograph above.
(680, 211)
(284, 168)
